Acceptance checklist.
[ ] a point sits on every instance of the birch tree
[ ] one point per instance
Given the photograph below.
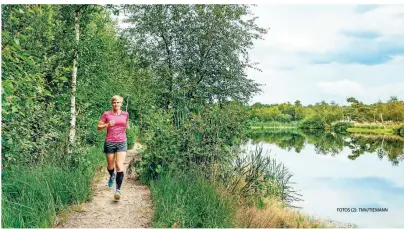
(72, 129)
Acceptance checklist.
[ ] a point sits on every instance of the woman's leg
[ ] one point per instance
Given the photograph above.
(110, 161)
(109, 155)
(110, 168)
(120, 159)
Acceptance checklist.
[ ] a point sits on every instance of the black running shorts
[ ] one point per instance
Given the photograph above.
(113, 147)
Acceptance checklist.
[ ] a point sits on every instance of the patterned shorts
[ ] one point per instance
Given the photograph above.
(113, 147)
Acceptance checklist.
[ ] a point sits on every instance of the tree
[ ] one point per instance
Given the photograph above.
(198, 52)
(72, 129)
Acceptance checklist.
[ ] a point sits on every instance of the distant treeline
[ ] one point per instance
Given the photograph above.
(390, 111)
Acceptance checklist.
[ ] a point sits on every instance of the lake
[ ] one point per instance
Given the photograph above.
(342, 171)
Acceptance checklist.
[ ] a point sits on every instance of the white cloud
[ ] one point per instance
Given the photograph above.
(341, 87)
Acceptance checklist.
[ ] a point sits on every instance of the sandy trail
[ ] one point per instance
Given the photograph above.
(133, 210)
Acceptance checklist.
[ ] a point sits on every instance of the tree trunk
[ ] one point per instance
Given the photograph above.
(72, 132)
(141, 121)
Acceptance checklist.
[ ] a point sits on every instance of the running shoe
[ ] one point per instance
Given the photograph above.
(111, 180)
(117, 195)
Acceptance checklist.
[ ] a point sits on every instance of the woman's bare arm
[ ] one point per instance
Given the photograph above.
(102, 125)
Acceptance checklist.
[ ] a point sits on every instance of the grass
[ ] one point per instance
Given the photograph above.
(387, 131)
(375, 125)
(388, 128)
(33, 196)
(275, 215)
(187, 201)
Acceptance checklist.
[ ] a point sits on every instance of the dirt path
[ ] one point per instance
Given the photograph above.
(133, 210)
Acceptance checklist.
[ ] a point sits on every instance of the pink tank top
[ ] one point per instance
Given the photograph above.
(116, 133)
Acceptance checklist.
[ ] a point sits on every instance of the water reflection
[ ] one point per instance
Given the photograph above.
(341, 171)
(328, 143)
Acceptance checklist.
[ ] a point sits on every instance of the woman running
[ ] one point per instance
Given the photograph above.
(115, 121)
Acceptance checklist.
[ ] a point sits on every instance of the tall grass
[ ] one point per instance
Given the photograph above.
(32, 196)
(186, 200)
(256, 176)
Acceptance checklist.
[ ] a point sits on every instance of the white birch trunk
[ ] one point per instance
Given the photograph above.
(72, 132)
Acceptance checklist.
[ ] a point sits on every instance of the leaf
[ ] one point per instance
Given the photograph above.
(17, 41)
(8, 87)
(46, 92)
(63, 78)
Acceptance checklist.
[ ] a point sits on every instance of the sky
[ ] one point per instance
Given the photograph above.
(329, 52)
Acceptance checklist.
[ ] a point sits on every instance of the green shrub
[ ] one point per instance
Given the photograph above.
(195, 138)
(313, 122)
(341, 127)
(131, 135)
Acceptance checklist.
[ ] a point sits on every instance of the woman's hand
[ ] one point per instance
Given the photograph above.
(102, 125)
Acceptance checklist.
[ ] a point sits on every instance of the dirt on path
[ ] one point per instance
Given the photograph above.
(133, 210)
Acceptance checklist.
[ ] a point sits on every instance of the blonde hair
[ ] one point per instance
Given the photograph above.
(116, 97)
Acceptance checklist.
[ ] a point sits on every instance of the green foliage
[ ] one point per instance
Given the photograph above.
(391, 111)
(36, 64)
(198, 52)
(186, 200)
(341, 127)
(313, 122)
(284, 112)
(30, 126)
(132, 134)
(37, 48)
(202, 139)
(32, 196)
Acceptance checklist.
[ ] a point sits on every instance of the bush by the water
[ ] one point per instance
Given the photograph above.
(341, 127)
(312, 122)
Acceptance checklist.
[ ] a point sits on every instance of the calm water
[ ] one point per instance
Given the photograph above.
(333, 171)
